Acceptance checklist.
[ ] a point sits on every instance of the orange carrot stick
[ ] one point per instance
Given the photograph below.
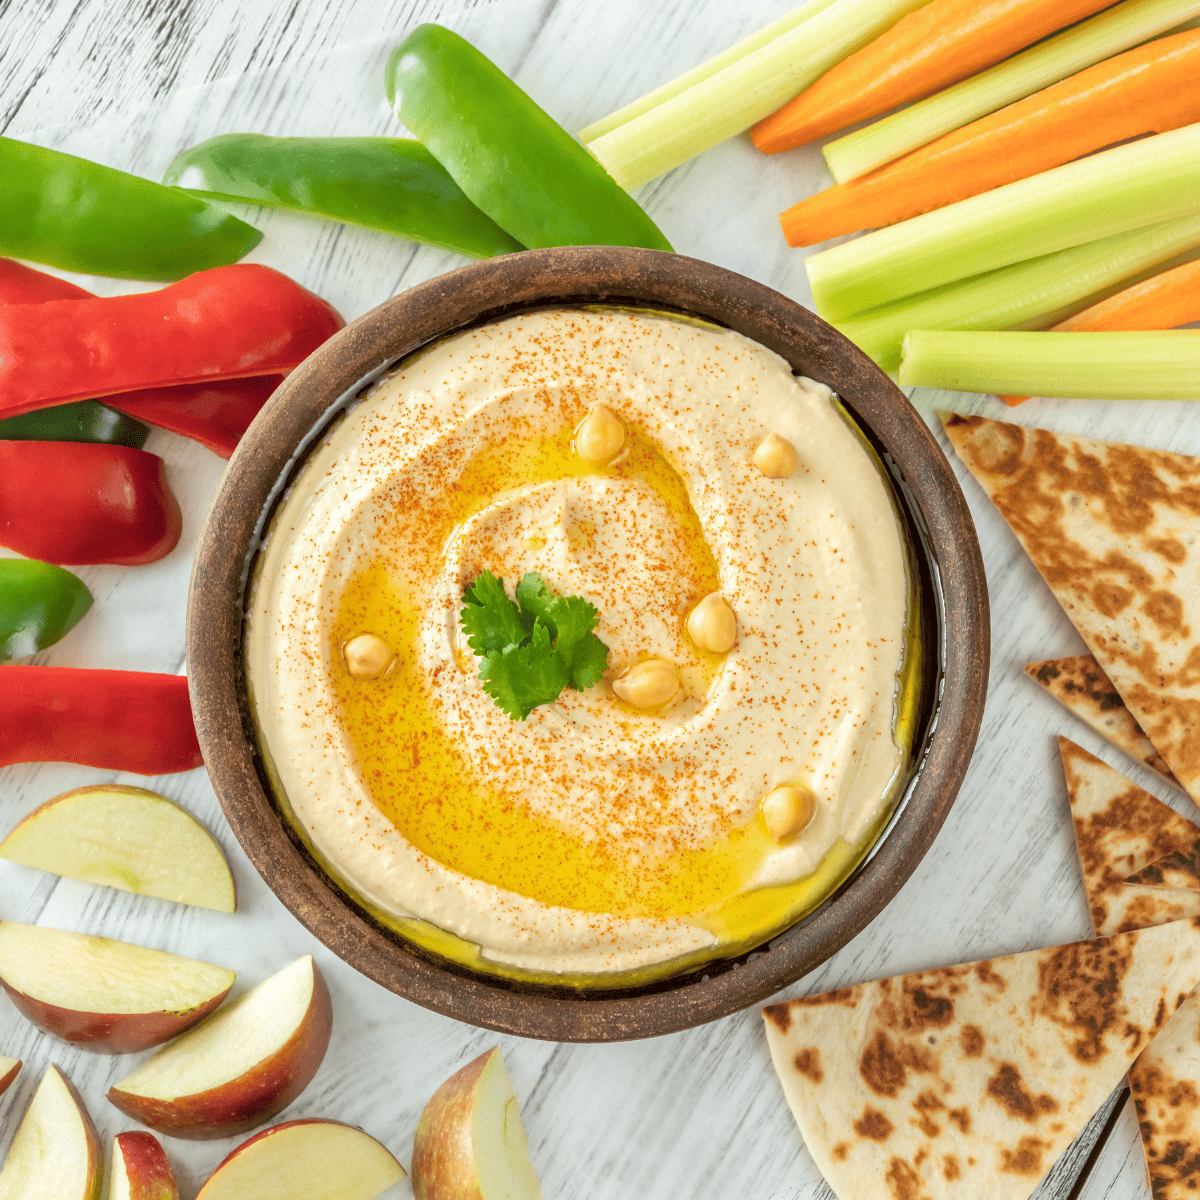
(1155, 87)
(1164, 301)
(929, 49)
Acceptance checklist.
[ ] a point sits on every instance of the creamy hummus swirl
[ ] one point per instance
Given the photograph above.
(813, 566)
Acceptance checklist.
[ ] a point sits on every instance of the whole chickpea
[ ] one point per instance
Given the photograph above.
(712, 624)
(776, 457)
(648, 684)
(367, 656)
(599, 436)
(787, 810)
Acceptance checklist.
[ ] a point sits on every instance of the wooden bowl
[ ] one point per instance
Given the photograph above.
(272, 452)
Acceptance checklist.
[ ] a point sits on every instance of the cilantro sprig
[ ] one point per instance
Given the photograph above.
(532, 648)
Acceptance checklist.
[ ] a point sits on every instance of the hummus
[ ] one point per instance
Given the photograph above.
(592, 837)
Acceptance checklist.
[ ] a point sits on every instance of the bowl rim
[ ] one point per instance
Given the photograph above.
(275, 445)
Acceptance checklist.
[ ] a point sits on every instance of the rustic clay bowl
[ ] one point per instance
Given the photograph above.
(272, 451)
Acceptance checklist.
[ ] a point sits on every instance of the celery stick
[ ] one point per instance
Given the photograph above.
(1159, 365)
(1039, 291)
(1112, 31)
(743, 49)
(730, 101)
(1130, 186)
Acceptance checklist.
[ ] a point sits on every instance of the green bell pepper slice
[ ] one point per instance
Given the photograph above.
(39, 603)
(512, 159)
(392, 184)
(81, 421)
(74, 214)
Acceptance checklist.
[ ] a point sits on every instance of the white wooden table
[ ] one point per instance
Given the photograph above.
(698, 1114)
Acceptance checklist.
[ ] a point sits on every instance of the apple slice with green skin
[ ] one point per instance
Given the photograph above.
(140, 1170)
(127, 838)
(239, 1068)
(105, 996)
(56, 1152)
(470, 1142)
(305, 1160)
(9, 1069)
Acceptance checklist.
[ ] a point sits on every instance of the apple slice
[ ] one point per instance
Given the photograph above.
(140, 1170)
(9, 1068)
(127, 838)
(305, 1160)
(108, 997)
(56, 1152)
(241, 1066)
(470, 1143)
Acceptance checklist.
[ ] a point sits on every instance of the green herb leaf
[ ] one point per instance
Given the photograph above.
(531, 649)
(587, 662)
(570, 618)
(519, 678)
(490, 619)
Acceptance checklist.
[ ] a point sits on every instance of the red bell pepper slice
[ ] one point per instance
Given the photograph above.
(213, 414)
(77, 502)
(114, 720)
(227, 323)
(20, 284)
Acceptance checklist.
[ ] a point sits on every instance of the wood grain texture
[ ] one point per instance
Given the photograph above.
(697, 1114)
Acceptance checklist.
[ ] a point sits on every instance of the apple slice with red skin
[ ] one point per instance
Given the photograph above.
(240, 1067)
(305, 1160)
(9, 1069)
(56, 1152)
(140, 1170)
(101, 995)
(127, 838)
(470, 1142)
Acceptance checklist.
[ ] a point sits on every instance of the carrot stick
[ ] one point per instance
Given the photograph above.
(1153, 88)
(937, 45)
(1164, 301)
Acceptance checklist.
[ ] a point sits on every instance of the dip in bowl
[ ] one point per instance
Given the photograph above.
(658, 439)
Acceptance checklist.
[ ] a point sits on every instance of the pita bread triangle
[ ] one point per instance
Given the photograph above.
(1113, 531)
(1119, 829)
(970, 1081)
(1165, 1079)
(1080, 686)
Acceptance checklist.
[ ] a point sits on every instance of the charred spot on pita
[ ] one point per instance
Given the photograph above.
(1166, 611)
(780, 1015)
(987, 974)
(874, 1125)
(904, 1182)
(1008, 1089)
(880, 1066)
(1025, 1158)
(1170, 548)
(885, 1064)
(950, 1168)
(971, 1038)
(808, 1063)
(1111, 599)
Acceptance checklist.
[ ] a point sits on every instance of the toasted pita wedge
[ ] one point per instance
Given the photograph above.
(1113, 531)
(1165, 1079)
(1082, 687)
(1119, 829)
(1165, 1084)
(970, 1081)
(1179, 869)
